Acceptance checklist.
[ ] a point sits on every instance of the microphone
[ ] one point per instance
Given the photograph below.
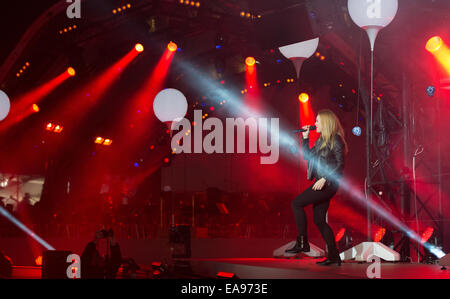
(311, 128)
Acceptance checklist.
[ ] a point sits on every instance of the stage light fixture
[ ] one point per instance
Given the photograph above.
(103, 141)
(344, 239)
(38, 261)
(159, 270)
(22, 69)
(357, 131)
(379, 234)
(51, 127)
(68, 29)
(226, 275)
(172, 47)
(139, 48)
(430, 91)
(122, 8)
(35, 108)
(303, 97)
(430, 236)
(71, 71)
(434, 44)
(250, 61)
(58, 129)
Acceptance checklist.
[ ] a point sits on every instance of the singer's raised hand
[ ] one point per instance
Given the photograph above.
(306, 133)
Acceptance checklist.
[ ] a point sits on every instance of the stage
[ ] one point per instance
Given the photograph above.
(271, 268)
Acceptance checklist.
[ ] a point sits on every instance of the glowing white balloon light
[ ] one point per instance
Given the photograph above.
(4, 105)
(170, 105)
(372, 15)
(299, 52)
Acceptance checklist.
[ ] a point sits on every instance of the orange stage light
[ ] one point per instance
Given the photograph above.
(250, 61)
(172, 47)
(139, 48)
(35, 108)
(71, 71)
(303, 97)
(434, 44)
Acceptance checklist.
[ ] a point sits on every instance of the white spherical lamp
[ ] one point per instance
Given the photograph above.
(372, 15)
(170, 105)
(4, 105)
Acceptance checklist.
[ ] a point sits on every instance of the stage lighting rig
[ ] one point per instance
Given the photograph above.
(430, 236)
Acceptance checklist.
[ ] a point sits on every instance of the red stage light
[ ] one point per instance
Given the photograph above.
(139, 48)
(303, 97)
(225, 275)
(379, 234)
(427, 234)
(38, 261)
(434, 44)
(172, 47)
(50, 127)
(71, 71)
(35, 108)
(58, 129)
(250, 61)
(340, 234)
(166, 160)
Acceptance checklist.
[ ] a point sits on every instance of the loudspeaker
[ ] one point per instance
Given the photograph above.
(180, 240)
(54, 264)
(5, 266)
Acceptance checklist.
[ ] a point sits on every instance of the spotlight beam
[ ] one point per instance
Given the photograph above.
(143, 101)
(440, 51)
(20, 225)
(77, 106)
(287, 140)
(20, 107)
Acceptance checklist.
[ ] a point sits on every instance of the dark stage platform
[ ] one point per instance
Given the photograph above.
(306, 268)
(269, 268)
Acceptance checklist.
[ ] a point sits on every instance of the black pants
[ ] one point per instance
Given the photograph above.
(320, 199)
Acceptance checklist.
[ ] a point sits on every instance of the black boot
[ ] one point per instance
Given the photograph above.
(301, 245)
(332, 259)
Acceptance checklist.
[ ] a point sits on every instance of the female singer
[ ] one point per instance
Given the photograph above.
(325, 165)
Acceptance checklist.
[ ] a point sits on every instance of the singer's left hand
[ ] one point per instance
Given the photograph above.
(319, 184)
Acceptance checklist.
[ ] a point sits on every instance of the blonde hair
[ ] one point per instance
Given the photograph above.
(330, 126)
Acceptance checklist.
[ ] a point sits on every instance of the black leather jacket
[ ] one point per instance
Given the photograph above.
(325, 163)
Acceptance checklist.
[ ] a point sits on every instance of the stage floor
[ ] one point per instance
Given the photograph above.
(306, 268)
(271, 268)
